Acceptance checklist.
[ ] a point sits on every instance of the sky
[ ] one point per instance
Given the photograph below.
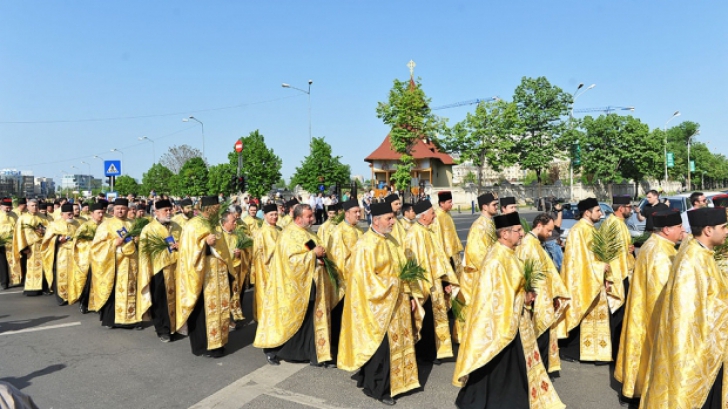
(80, 78)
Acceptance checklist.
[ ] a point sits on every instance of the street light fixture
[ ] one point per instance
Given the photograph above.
(697, 131)
(284, 85)
(575, 95)
(676, 114)
(122, 154)
(154, 155)
(89, 167)
(203, 132)
(99, 158)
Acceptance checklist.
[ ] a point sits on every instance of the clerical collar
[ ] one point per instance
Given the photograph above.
(534, 236)
(702, 245)
(378, 233)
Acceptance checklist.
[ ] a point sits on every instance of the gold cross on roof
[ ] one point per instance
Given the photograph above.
(411, 65)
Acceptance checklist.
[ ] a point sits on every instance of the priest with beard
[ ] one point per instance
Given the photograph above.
(186, 214)
(202, 283)
(264, 243)
(27, 240)
(499, 365)
(57, 248)
(79, 284)
(156, 269)
(294, 321)
(377, 335)
(420, 244)
(115, 270)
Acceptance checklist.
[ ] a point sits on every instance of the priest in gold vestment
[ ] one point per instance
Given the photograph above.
(79, 283)
(652, 269)
(444, 228)
(10, 273)
(202, 283)
(481, 238)
(156, 269)
(377, 337)
(115, 271)
(421, 245)
(583, 330)
(325, 229)
(398, 230)
(408, 216)
(264, 243)
(250, 221)
(57, 249)
(241, 259)
(286, 219)
(186, 214)
(499, 365)
(27, 240)
(687, 338)
(551, 294)
(294, 321)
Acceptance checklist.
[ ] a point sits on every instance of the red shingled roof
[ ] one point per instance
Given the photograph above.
(421, 150)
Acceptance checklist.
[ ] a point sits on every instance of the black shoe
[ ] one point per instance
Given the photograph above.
(436, 362)
(109, 326)
(568, 358)
(315, 365)
(165, 338)
(215, 353)
(330, 364)
(83, 309)
(387, 400)
(139, 328)
(273, 360)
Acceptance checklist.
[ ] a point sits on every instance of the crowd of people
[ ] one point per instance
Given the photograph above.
(380, 301)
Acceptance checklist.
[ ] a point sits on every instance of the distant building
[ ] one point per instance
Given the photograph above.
(17, 183)
(79, 182)
(44, 187)
(431, 165)
(512, 174)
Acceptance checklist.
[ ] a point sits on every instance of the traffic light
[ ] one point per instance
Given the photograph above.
(233, 185)
(241, 185)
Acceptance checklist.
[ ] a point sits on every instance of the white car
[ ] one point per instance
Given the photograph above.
(568, 217)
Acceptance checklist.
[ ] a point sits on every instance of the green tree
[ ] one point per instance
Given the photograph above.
(677, 143)
(126, 185)
(192, 178)
(616, 147)
(321, 167)
(219, 179)
(486, 136)
(540, 107)
(407, 113)
(158, 178)
(470, 177)
(261, 166)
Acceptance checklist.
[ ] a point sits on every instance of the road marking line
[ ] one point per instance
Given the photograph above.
(307, 400)
(11, 292)
(249, 387)
(21, 331)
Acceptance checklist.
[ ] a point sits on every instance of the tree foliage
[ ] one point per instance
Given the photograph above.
(320, 166)
(541, 108)
(219, 179)
(177, 156)
(192, 178)
(407, 113)
(261, 166)
(158, 178)
(486, 136)
(125, 185)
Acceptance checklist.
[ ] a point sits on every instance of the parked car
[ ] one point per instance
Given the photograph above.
(677, 202)
(568, 217)
(546, 204)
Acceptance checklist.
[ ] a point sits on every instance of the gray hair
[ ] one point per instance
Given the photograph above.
(33, 201)
(298, 210)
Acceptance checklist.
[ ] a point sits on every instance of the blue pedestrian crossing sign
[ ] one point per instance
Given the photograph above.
(112, 167)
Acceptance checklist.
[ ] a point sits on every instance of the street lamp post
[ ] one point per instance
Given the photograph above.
(689, 140)
(203, 132)
(154, 155)
(89, 167)
(676, 114)
(122, 154)
(284, 85)
(571, 117)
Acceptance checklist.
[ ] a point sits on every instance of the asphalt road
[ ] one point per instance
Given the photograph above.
(67, 360)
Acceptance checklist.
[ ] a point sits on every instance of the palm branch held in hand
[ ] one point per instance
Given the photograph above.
(329, 265)
(606, 244)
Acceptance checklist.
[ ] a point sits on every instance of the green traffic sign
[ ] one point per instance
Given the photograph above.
(692, 166)
(670, 160)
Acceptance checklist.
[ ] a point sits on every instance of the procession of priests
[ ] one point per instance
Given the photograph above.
(384, 299)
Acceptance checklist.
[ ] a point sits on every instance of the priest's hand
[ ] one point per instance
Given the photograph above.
(608, 285)
(414, 304)
(174, 246)
(448, 289)
(39, 231)
(557, 303)
(607, 268)
(118, 241)
(630, 249)
(320, 251)
(26, 251)
(237, 252)
(530, 298)
(210, 239)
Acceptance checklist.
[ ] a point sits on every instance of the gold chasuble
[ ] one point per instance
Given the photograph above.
(547, 290)
(421, 245)
(651, 271)
(7, 229)
(341, 245)
(293, 269)
(264, 243)
(688, 335)
(59, 256)
(398, 233)
(444, 228)
(164, 262)
(406, 223)
(239, 270)
(251, 224)
(81, 260)
(584, 278)
(481, 238)
(324, 231)
(25, 237)
(622, 266)
(180, 219)
(498, 297)
(378, 304)
(114, 269)
(284, 221)
(202, 269)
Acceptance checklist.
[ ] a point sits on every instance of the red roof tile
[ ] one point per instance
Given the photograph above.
(421, 150)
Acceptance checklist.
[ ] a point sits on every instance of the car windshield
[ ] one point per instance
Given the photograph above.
(569, 213)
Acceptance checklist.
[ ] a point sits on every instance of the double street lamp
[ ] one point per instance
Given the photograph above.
(676, 114)
(284, 85)
(154, 155)
(575, 95)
